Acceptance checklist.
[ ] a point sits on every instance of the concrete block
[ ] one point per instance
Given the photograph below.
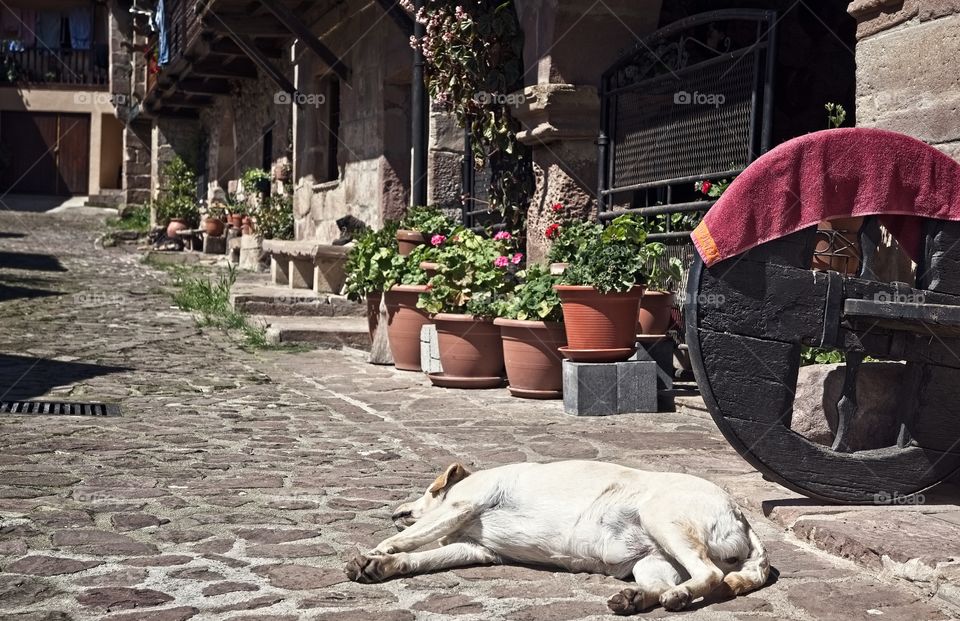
(662, 352)
(250, 253)
(279, 270)
(329, 275)
(430, 349)
(602, 389)
(301, 274)
(214, 245)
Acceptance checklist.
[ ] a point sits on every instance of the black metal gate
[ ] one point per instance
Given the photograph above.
(692, 102)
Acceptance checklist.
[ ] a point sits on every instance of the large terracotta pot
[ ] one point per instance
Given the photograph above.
(176, 225)
(235, 220)
(601, 327)
(408, 240)
(656, 308)
(469, 347)
(838, 242)
(214, 227)
(404, 321)
(530, 354)
(373, 312)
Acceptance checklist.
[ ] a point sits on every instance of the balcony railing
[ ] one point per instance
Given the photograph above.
(54, 67)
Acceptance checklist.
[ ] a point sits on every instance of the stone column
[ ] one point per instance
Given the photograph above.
(567, 47)
(906, 75)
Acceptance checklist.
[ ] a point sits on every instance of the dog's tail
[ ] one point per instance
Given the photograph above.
(755, 568)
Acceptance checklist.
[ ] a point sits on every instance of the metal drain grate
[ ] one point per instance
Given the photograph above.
(59, 408)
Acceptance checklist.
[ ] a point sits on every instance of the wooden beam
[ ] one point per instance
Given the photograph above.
(201, 86)
(289, 19)
(240, 68)
(179, 100)
(247, 45)
(398, 15)
(245, 25)
(227, 46)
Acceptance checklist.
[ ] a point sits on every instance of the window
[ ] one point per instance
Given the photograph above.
(327, 106)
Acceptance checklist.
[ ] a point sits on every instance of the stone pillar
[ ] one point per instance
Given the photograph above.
(567, 47)
(906, 78)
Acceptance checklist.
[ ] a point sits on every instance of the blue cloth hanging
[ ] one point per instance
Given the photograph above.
(81, 27)
(48, 30)
(159, 23)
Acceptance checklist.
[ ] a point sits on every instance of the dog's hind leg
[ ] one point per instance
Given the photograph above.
(442, 522)
(654, 575)
(376, 568)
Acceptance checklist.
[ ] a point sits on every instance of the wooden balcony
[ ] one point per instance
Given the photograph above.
(46, 68)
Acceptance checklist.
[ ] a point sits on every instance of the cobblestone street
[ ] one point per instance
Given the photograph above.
(236, 483)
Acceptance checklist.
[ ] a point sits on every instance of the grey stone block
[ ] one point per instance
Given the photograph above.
(662, 352)
(214, 245)
(601, 389)
(430, 349)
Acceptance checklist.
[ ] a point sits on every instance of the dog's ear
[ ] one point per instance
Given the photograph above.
(453, 474)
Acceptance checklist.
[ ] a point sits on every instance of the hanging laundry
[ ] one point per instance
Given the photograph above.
(48, 29)
(81, 27)
(159, 23)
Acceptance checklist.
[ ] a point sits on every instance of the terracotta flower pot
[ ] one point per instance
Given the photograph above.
(838, 245)
(404, 321)
(175, 225)
(214, 227)
(601, 327)
(469, 347)
(373, 312)
(408, 240)
(655, 311)
(235, 220)
(530, 354)
(248, 226)
(430, 268)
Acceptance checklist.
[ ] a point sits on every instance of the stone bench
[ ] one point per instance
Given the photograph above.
(307, 265)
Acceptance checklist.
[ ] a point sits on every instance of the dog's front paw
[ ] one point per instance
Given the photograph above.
(676, 598)
(366, 568)
(628, 602)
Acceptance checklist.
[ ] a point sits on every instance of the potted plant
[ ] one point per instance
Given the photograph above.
(177, 203)
(601, 290)
(656, 305)
(273, 217)
(214, 222)
(567, 238)
(403, 285)
(420, 225)
(369, 269)
(474, 273)
(531, 328)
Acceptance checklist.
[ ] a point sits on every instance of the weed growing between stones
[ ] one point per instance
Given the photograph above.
(209, 299)
(134, 219)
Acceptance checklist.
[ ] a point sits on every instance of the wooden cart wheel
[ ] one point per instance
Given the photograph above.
(747, 318)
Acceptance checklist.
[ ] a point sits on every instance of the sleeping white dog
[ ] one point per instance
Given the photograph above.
(681, 537)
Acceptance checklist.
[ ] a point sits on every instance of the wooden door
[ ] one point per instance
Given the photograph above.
(44, 153)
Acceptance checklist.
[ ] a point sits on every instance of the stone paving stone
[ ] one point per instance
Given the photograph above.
(48, 566)
(237, 482)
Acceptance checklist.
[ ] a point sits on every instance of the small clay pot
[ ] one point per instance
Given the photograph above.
(469, 347)
(603, 326)
(530, 354)
(235, 220)
(404, 321)
(408, 240)
(656, 308)
(176, 225)
(214, 227)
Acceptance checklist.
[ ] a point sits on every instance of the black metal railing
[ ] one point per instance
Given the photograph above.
(55, 67)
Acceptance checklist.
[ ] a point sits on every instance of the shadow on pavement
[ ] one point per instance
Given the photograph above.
(38, 203)
(30, 261)
(4, 235)
(14, 292)
(26, 377)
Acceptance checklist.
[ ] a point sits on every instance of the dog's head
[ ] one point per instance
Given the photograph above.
(408, 513)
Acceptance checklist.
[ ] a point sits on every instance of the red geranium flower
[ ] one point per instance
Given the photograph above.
(705, 187)
(557, 207)
(553, 231)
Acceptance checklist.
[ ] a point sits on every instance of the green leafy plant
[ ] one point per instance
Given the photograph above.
(533, 299)
(210, 301)
(615, 260)
(568, 238)
(662, 275)
(474, 66)
(274, 217)
(255, 181)
(178, 194)
(475, 272)
(136, 218)
(712, 189)
(370, 264)
(836, 115)
(427, 219)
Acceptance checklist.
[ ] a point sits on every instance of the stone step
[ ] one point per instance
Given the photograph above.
(105, 199)
(321, 331)
(256, 298)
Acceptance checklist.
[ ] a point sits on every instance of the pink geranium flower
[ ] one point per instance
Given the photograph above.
(437, 240)
(501, 261)
(502, 235)
(517, 258)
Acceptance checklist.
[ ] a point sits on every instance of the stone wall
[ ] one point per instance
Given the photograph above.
(373, 155)
(907, 78)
